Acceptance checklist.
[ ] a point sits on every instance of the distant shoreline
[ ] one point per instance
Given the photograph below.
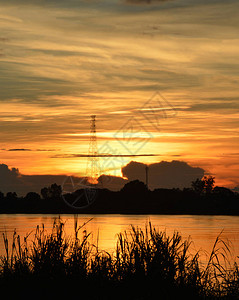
(136, 199)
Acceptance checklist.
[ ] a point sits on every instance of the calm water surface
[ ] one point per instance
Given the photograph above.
(203, 230)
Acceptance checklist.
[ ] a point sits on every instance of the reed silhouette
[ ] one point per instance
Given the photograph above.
(146, 264)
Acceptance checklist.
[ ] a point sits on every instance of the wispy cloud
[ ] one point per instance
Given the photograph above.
(25, 149)
(104, 155)
(145, 1)
(61, 62)
(20, 149)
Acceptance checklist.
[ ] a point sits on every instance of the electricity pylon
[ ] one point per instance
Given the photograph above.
(92, 168)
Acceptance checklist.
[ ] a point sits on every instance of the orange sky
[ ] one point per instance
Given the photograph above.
(61, 63)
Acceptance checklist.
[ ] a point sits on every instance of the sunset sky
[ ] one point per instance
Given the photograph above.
(167, 69)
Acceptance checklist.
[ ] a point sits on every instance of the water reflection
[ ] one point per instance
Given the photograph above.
(203, 230)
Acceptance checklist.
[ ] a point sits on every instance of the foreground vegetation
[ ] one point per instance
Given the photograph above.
(146, 264)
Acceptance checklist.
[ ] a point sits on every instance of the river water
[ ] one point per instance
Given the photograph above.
(202, 230)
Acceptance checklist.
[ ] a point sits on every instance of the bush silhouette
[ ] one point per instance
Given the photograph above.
(135, 186)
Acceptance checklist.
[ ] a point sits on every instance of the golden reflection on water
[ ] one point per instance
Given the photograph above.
(202, 230)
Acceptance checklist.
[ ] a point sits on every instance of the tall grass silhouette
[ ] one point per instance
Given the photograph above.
(146, 264)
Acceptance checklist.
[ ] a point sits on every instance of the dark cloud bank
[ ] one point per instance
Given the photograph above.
(175, 174)
(164, 174)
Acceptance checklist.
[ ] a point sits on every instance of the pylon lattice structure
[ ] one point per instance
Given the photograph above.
(92, 169)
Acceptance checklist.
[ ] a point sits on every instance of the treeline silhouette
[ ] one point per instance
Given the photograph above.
(134, 198)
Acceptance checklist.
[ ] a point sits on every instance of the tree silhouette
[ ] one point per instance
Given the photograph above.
(223, 192)
(209, 183)
(44, 192)
(135, 186)
(32, 196)
(53, 191)
(204, 185)
(198, 186)
(11, 196)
